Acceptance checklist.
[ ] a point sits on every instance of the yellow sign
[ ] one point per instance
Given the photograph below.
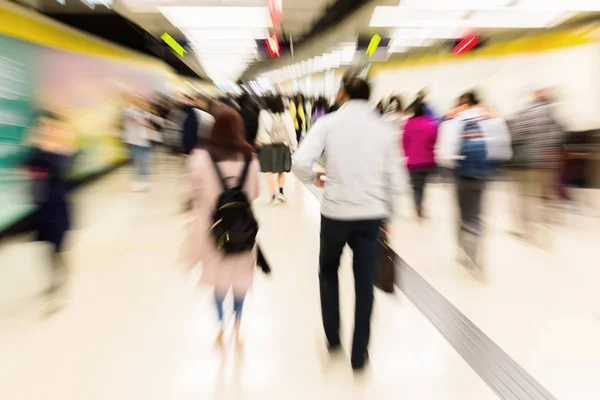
(168, 39)
(373, 44)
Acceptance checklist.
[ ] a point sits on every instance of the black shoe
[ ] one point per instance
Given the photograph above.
(334, 347)
(419, 212)
(359, 365)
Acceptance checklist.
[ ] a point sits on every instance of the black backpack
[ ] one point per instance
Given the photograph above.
(234, 227)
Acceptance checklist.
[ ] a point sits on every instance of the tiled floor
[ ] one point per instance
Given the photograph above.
(137, 327)
(540, 306)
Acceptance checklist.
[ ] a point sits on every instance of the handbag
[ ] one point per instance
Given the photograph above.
(385, 277)
(262, 262)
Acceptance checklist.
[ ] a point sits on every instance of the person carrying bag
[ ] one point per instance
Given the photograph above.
(385, 279)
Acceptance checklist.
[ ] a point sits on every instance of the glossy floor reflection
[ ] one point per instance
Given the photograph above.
(138, 327)
(540, 305)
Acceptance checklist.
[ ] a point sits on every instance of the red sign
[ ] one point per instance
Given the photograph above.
(276, 11)
(273, 45)
(465, 45)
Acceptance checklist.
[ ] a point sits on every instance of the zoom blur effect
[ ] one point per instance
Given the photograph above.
(292, 199)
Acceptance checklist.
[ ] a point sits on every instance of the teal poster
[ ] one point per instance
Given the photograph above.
(16, 115)
(89, 92)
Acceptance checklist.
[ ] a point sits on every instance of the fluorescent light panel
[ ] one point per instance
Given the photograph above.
(397, 49)
(427, 33)
(342, 54)
(557, 5)
(226, 34)
(217, 17)
(514, 18)
(561, 5)
(385, 16)
(455, 4)
(523, 15)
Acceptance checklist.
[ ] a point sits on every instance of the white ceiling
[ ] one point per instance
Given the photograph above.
(298, 16)
(403, 19)
(419, 24)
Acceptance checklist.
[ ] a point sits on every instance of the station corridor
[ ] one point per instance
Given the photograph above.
(138, 326)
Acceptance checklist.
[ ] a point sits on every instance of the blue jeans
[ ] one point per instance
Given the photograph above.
(141, 161)
(238, 306)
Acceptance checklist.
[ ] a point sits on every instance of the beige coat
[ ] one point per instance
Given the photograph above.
(204, 189)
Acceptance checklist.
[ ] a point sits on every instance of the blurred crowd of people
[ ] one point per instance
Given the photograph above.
(369, 153)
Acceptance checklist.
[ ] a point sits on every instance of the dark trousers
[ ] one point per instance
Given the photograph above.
(299, 135)
(418, 178)
(469, 193)
(362, 237)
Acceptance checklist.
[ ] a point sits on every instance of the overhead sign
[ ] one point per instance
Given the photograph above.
(465, 45)
(273, 45)
(373, 44)
(168, 39)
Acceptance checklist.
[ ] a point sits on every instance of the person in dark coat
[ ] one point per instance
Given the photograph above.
(192, 123)
(189, 129)
(249, 111)
(51, 157)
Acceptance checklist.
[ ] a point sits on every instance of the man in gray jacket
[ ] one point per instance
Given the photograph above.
(360, 153)
(537, 140)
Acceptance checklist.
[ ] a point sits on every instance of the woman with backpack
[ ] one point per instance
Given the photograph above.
(223, 172)
(276, 140)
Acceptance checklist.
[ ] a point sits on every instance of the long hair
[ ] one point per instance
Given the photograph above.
(227, 140)
(418, 108)
(275, 104)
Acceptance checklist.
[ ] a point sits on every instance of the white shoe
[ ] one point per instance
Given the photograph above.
(137, 186)
(281, 198)
(275, 201)
(141, 186)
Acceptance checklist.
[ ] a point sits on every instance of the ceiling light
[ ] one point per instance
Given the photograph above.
(425, 33)
(384, 16)
(407, 42)
(226, 34)
(248, 43)
(217, 17)
(397, 49)
(456, 4)
(515, 18)
(561, 5)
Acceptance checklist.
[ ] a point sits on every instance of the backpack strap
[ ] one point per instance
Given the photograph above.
(244, 175)
(218, 171)
(475, 122)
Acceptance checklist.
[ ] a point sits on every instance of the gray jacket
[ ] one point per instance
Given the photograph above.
(536, 137)
(361, 155)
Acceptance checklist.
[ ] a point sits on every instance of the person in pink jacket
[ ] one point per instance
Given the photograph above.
(418, 142)
(227, 145)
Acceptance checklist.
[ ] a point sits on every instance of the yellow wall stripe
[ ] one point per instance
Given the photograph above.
(15, 24)
(532, 44)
